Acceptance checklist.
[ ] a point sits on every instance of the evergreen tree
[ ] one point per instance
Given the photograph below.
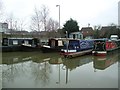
(71, 26)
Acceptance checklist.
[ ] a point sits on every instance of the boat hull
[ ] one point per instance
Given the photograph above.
(50, 49)
(99, 53)
(10, 48)
(76, 54)
(30, 48)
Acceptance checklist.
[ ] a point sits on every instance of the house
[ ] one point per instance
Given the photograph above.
(87, 32)
(76, 35)
(106, 31)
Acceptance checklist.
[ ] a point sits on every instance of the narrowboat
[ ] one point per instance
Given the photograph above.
(31, 44)
(54, 45)
(103, 46)
(77, 48)
(18, 44)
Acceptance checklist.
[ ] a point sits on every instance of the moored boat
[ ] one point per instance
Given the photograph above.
(11, 44)
(31, 44)
(19, 44)
(77, 48)
(103, 46)
(54, 45)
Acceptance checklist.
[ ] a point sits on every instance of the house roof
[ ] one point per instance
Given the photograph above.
(105, 29)
(87, 31)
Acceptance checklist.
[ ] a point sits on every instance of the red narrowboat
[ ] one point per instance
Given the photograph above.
(103, 46)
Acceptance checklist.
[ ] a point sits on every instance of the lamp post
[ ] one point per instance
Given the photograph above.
(67, 41)
(59, 14)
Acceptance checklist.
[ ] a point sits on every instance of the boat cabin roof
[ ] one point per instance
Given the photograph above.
(104, 39)
(61, 39)
(20, 38)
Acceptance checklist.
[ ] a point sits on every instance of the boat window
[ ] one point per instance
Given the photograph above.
(60, 43)
(26, 42)
(99, 45)
(5, 41)
(71, 47)
(15, 42)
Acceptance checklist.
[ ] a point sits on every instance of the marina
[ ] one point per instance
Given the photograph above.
(52, 44)
(73, 63)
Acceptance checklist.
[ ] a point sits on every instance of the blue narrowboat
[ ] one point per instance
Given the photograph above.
(77, 48)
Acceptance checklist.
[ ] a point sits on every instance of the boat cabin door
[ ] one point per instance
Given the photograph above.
(52, 43)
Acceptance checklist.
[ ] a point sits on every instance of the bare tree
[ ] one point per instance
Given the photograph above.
(21, 24)
(15, 25)
(52, 25)
(39, 19)
(44, 15)
(52, 28)
(11, 21)
(36, 21)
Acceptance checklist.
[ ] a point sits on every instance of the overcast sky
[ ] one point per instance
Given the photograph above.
(95, 12)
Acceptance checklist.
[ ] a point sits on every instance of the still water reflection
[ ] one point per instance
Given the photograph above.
(39, 70)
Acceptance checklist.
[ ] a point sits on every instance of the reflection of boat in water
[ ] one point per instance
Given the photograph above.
(76, 62)
(71, 64)
(15, 60)
(56, 61)
(106, 61)
(16, 65)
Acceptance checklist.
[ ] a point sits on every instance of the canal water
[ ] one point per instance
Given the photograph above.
(50, 70)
